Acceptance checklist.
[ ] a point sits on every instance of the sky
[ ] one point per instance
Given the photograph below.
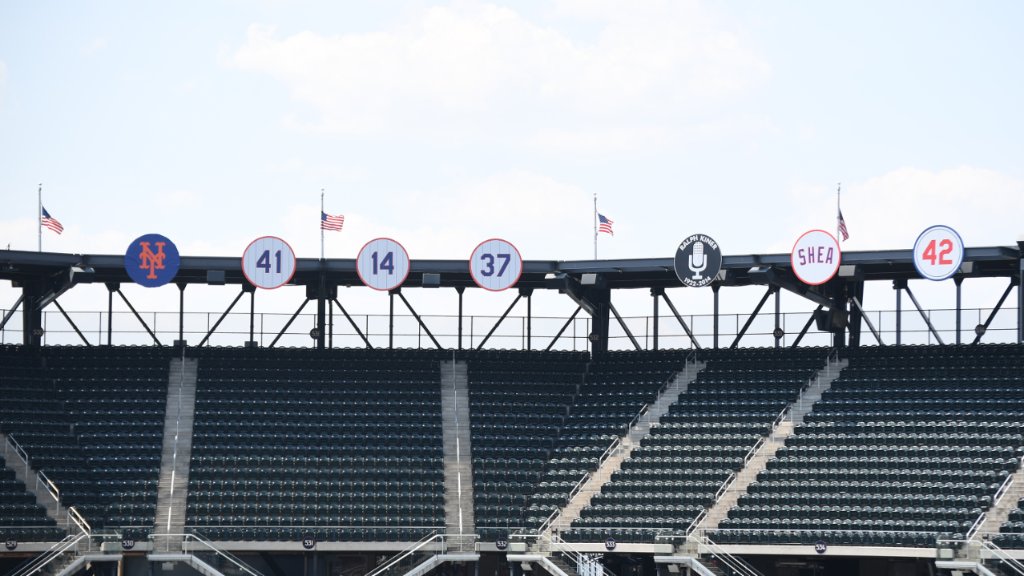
(442, 124)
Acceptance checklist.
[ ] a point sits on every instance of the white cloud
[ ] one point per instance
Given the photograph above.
(466, 67)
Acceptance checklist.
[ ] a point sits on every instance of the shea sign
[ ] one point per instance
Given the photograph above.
(815, 257)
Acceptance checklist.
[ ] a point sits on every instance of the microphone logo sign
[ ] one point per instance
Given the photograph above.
(698, 261)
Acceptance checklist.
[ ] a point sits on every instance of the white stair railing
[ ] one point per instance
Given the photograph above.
(577, 558)
(734, 563)
(68, 544)
(1009, 561)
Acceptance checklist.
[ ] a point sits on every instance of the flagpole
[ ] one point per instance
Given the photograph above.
(595, 225)
(839, 191)
(321, 223)
(39, 216)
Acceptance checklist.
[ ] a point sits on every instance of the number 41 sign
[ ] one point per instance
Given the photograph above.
(938, 253)
(268, 262)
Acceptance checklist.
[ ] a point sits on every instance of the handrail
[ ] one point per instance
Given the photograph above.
(403, 554)
(1003, 489)
(564, 548)
(213, 548)
(1017, 566)
(79, 520)
(18, 449)
(51, 488)
(973, 530)
(736, 564)
(51, 554)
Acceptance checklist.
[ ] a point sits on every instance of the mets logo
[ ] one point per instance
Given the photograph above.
(152, 260)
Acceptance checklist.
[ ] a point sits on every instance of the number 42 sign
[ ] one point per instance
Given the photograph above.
(938, 253)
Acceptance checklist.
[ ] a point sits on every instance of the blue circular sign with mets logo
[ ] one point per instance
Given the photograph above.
(152, 260)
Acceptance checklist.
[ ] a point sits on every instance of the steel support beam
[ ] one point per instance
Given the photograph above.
(353, 323)
(10, 313)
(283, 329)
(460, 290)
(992, 316)
(715, 288)
(624, 327)
(72, 322)
(959, 280)
(871, 326)
(924, 316)
(753, 315)
(564, 326)
(138, 317)
(225, 314)
(807, 326)
(683, 323)
(420, 320)
(500, 320)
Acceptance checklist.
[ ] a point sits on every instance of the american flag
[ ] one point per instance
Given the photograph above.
(605, 224)
(328, 222)
(842, 227)
(50, 222)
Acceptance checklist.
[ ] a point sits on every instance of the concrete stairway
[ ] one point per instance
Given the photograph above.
(172, 489)
(613, 460)
(997, 515)
(24, 472)
(458, 469)
(765, 451)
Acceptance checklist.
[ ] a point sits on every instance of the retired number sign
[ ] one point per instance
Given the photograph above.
(815, 257)
(495, 265)
(938, 253)
(268, 262)
(383, 264)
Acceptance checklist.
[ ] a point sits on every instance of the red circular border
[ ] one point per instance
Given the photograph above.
(294, 268)
(792, 251)
(477, 282)
(400, 282)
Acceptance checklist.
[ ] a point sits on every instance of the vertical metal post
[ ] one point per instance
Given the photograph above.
(181, 311)
(1020, 296)
(776, 333)
(330, 324)
(460, 290)
(391, 319)
(656, 294)
(714, 289)
(958, 281)
(529, 320)
(111, 287)
(898, 285)
(252, 316)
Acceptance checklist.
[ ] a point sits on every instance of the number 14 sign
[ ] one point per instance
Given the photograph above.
(938, 253)
(383, 264)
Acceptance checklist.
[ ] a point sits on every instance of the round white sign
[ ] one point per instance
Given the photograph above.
(938, 253)
(383, 264)
(495, 265)
(815, 257)
(268, 262)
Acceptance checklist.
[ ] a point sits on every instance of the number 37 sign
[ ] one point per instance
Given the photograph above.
(938, 253)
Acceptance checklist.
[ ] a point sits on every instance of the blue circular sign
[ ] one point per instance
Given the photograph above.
(152, 260)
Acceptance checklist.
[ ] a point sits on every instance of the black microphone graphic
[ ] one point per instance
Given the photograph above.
(698, 263)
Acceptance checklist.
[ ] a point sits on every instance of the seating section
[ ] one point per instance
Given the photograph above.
(518, 403)
(21, 518)
(617, 387)
(345, 444)
(909, 444)
(91, 420)
(676, 471)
